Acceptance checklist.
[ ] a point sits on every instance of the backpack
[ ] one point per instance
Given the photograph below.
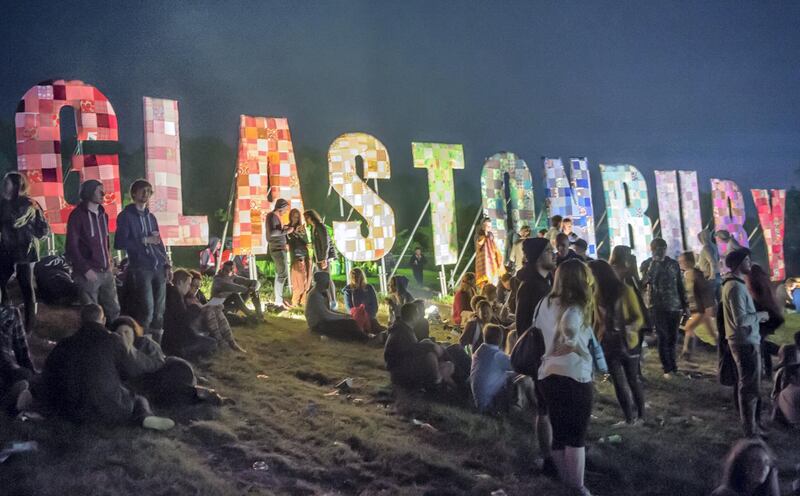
(526, 356)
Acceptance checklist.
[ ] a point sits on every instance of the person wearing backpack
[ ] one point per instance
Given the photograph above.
(617, 321)
(564, 318)
(22, 224)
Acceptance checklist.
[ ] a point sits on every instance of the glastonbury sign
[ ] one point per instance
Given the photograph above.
(266, 170)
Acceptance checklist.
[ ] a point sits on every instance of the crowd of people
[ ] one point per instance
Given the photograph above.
(536, 331)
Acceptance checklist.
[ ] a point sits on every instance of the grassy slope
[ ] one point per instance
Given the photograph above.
(366, 443)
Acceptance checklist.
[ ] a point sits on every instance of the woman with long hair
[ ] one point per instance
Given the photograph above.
(623, 261)
(398, 296)
(488, 259)
(565, 375)
(22, 224)
(749, 470)
(760, 288)
(299, 261)
(618, 318)
(360, 296)
(324, 250)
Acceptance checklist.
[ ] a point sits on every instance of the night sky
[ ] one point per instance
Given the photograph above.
(710, 86)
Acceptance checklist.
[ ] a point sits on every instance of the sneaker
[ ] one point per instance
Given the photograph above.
(157, 423)
(667, 375)
(639, 422)
(621, 424)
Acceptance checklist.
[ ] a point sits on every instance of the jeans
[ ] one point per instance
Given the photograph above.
(102, 291)
(667, 323)
(624, 371)
(148, 290)
(281, 274)
(746, 393)
(24, 273)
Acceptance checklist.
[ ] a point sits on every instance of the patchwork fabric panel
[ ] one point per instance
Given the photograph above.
(38, 136)
(727, 204)
(572, 197)
(679, 210)
(626, 203)
(162, 163)
(771, 217)
(266, 171)
(345, 180)
(520, 186)
(690, 207)
(440, 160)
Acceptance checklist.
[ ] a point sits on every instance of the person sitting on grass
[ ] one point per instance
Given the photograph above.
(180, 337)
(472, 337)
(500, 314)
(411, 363)
(463, 297)
(786, 391)
(322, 320)
(168, 380)
(235, 290)
(359, 296)
(83, 377)
(16, 367)
(749, 470)
(210, 318)
(398, 296)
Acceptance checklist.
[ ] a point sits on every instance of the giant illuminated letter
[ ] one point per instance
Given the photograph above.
(728, 208)
(265, 171)
(520, 186)
(377, 213)
(679, 210)
(440, 160)
(39, 146)
(162, 163)
(572, 197)
(626, 202)
(771, 217)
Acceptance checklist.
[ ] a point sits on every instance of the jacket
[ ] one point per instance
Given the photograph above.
(532, 289)
(298, 244)
(663, 285)
(276, 232)
(400, 344)
(133, 226)
(324, 248)
(739, 313)
(84, 374)
(22, 224)
(353, 297)
(87, 240)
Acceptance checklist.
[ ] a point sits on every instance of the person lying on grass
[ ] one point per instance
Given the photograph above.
(209, 317)
(415, 364)
(322, 320)
(83, 377)
(168, 380)
(181, 337)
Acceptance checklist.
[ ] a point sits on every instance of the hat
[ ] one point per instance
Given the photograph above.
(321, 278)
(735, 258)
(532, 248)
(88, 188)
(281, 203)
(788, 357)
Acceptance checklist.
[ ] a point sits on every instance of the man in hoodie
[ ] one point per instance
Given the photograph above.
(88, 249)
(137, 234)
(322, 320)
(276, 235)
(742, 323)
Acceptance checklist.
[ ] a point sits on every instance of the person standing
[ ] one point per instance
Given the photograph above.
(565, 375)
(88, 250)
(324, 250)
(517, 257)
(760, 288)
(563, 251)
(742, 323)
(299, 258)
(666, 300)
(488, 259)
(699, 297)
(555, 228)
(418, 265)
(535, 280)
(708, 263)
(566, 228)
(22, 224)
(277, 241)
(146, 276)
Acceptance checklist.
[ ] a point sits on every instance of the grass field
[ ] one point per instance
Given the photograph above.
(288, 434)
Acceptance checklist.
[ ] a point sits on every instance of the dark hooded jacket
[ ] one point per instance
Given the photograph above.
(133, 226)
(533, 287)
(87, 240)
